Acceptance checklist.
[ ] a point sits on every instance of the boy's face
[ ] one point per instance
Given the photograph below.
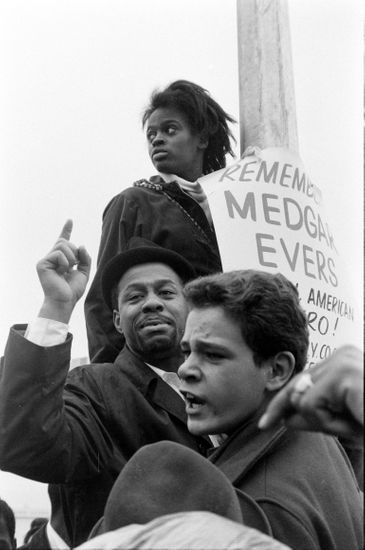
(221, 384)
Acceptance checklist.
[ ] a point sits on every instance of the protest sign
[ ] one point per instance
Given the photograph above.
(268, 215)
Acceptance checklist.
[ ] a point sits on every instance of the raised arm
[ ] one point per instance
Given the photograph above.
(49, 432)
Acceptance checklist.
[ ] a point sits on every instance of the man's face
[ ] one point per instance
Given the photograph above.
(221, 384)
(151, 310)
(172, 146)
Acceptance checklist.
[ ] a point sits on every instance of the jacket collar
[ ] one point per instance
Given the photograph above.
(191, 207)
(244, 448)
(152, 387)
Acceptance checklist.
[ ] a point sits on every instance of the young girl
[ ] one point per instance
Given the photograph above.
(188, 136)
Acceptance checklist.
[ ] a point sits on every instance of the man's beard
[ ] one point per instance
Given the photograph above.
(160, 346)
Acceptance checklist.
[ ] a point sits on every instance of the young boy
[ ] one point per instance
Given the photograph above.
(246, 336)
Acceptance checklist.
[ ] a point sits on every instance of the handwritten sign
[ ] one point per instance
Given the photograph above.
(268, 215)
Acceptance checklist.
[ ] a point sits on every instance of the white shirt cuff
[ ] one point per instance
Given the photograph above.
(46, 332)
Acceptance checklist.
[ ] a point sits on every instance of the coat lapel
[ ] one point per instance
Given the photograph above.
(243, 449)
(167, 398)
(150, 384)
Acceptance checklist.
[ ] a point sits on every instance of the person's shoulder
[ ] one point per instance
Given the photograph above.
(101, 371)
(314, 457)
(135, 192)
(155, 183)
(308, 446)
(143, 186)
(93, 369)
(107, 382)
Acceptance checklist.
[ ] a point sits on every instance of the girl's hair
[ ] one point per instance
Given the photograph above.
(203, 115)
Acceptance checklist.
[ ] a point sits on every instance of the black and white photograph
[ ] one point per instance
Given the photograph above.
(182, 286)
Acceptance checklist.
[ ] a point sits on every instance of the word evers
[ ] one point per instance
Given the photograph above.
(277, 173)
(330, 303)
(280, 211)
(313, 262)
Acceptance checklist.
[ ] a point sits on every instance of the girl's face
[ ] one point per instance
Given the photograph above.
(172, 146)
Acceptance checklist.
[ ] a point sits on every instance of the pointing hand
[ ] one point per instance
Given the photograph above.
(63, 274)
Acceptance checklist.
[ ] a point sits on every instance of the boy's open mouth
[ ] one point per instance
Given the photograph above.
(192, 401)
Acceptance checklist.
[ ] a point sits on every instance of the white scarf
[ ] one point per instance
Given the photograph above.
(194, 189)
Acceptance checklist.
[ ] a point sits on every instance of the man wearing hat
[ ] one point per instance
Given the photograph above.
(77, 430)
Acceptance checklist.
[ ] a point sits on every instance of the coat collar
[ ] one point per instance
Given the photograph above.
(174, 192)
(244, 448)
(150, 384)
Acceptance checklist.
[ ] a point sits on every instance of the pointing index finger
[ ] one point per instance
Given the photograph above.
(66, 230)
(277, 410)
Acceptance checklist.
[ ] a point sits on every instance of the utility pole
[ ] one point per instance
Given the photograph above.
(266, 84)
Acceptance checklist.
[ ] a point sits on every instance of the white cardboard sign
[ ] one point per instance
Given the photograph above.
(268, 215)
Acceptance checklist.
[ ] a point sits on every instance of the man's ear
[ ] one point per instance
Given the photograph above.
(116, 321)
(280, 370)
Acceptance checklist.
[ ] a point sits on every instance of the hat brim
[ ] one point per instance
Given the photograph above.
(119, 265)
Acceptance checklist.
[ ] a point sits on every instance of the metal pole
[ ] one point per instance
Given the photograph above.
(266, 84)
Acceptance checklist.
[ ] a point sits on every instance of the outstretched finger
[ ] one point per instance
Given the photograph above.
(84, 263)
(66, 230)
(278, 409)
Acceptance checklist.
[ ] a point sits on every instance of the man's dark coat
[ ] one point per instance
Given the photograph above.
(78, 437)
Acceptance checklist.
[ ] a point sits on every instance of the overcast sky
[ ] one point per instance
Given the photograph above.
(75, 76)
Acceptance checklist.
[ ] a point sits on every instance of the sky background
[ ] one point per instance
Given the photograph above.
(75, 77)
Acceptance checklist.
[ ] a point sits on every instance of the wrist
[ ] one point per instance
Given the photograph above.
(56, 310)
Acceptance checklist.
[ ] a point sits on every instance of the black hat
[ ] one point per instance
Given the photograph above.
(141, 251)
(166, 478)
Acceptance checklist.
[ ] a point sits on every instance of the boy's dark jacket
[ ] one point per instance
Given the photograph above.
(303, 481)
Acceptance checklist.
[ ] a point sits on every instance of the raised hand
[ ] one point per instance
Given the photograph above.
(63, 274)
(332, 403)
